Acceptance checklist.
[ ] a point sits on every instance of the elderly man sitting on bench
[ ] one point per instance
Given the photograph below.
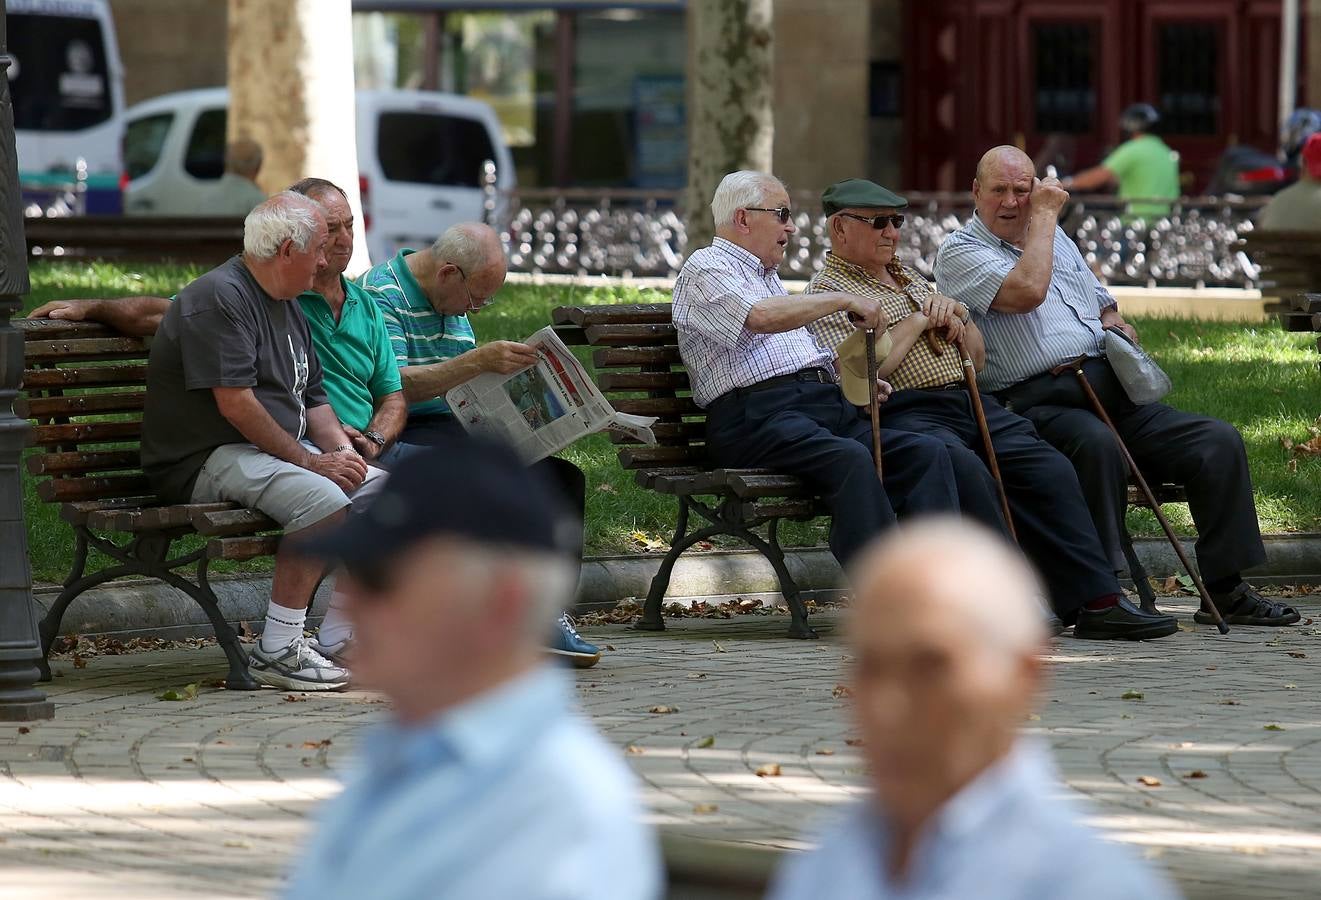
(770, 391)
(1040, 308)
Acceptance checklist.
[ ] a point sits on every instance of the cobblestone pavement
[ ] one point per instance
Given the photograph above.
(127, 795)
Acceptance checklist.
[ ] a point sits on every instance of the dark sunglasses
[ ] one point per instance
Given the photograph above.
(878, 222)
(781, 212)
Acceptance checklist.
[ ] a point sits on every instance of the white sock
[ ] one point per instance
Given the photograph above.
(283, 627)
(336, 628)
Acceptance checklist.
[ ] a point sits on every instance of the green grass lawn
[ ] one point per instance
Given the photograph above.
(1261, 379)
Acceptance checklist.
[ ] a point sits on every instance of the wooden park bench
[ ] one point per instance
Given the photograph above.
(84, 391)
(1304, 314)
(205, 240)
(1290, 263)
(636, 356)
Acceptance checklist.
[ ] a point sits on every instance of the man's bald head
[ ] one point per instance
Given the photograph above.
(463, 269)
(945, 627)
(999, 156)
(243, 157)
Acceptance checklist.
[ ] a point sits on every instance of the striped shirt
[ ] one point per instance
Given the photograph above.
(418, 334)
(972, 264)
(713, 294)
(920, 367)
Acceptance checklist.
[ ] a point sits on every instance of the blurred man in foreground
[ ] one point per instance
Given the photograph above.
(963, 807)
(486, 782)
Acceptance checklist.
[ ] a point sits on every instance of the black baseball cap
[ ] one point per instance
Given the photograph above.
(465, 487)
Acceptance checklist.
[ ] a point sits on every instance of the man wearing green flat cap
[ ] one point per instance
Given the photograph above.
(925, 367)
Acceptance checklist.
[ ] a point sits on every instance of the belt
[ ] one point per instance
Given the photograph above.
(951, 386)
(814, 375)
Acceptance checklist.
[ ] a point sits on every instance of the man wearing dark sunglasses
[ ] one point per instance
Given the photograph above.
(930, 397)
(770, 392)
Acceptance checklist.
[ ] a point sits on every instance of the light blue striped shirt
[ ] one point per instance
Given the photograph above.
(1012, 834)
(971, 265)
(509, 795)
(418, 334)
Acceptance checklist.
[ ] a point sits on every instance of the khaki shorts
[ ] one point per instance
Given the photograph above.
(291, 495)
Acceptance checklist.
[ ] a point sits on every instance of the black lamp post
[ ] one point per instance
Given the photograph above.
(20, 649)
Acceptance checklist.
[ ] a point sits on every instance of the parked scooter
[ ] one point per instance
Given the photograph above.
(1252, 172)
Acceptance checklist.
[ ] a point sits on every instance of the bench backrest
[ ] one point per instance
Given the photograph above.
(1290, 261)
(84, 388)
(640, 372)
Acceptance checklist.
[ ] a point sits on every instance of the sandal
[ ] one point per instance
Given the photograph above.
(1244, 606)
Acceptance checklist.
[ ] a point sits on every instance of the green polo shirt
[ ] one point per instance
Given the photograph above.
(418, 334)
(358, 365)
(1147, 169)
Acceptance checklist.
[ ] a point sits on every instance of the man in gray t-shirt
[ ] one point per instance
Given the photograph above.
(236, 412)
(224, 331)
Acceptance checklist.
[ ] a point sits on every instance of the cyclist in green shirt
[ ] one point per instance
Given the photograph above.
(1143, 166)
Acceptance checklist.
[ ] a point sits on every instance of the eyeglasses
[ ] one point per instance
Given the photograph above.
(877, 222)
(781, 212)
(472, 304)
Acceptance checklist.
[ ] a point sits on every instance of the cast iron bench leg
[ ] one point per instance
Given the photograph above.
(1139, 575)
(239, 678)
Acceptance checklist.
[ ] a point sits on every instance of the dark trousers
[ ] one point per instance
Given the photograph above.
(1204, 454)
(568, 479)
(1050, 515)
(811, 431)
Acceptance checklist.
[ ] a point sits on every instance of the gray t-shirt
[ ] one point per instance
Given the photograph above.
(222, 331)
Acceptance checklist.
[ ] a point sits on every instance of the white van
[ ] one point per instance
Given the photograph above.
(66, 84)
(420, 157)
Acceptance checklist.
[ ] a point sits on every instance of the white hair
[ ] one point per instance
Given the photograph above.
(740, 190)
(551, 581)
(466, 246)
(286, 216)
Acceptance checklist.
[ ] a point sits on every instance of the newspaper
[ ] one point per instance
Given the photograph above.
(541, 410)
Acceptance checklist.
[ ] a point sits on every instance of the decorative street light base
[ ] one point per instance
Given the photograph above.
(20, 648)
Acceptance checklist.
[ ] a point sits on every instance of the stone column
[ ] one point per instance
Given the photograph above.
(291, 90)
(730, 100)
(20, 647)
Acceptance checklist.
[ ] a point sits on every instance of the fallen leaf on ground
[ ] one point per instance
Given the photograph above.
(1298, 654)
(1148, 781)
(718, 646)
(1228, 702)
(610, 647)
(1033, 717)
(1170, 585)
(703, 809)
(1131, 695)
(708, 741)
(825, 751)
(1291, 687)
(634, 750)
(1195, 773)
(187, 759)
(316, 745)
(187, 692)
(853, 742)
(841, 690)
(768, 770)
(1272, 727)
(290, 698)
(242, 845)
(607, 488)
(663, 710)
(696, 674)
(23, 729)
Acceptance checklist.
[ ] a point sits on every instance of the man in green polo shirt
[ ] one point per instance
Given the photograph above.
(426, 296)
(1144, 167)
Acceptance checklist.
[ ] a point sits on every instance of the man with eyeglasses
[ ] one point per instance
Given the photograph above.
(930, 397)
(426, 296)
(770, 392)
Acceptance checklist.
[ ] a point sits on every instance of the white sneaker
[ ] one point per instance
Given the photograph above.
(296, 667)
(336, 653)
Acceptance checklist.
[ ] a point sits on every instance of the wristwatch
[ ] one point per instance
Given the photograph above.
(375, 437)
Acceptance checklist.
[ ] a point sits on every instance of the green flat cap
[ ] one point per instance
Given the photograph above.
(859, 193)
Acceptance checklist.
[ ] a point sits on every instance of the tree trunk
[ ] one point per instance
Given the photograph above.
(291, 90)
(731, 100)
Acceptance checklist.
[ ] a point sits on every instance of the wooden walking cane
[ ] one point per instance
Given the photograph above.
(970, 378)
(1207, 603)
(874, 400)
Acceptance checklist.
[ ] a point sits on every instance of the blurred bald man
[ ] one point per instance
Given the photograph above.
(236, 192)
(963, 807)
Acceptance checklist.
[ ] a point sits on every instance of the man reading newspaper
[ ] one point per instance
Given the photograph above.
(425, 297)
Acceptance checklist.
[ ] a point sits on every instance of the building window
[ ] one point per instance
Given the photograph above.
(1189, 77)
(1064, 57)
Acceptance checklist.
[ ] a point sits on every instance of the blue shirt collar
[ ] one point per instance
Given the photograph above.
(977, 228)
(488, 727)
